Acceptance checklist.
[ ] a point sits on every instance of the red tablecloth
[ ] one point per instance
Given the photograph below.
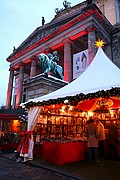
(49, 151)
(64, 153)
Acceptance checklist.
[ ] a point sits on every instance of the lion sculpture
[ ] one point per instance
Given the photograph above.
(48, 64)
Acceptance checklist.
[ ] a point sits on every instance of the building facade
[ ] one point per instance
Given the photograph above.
(72, 30)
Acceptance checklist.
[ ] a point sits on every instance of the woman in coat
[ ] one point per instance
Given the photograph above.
(92, 136)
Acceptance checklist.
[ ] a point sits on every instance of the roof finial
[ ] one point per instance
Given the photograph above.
(99, 43)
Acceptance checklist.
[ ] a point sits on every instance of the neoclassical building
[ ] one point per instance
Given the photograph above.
(72, 30)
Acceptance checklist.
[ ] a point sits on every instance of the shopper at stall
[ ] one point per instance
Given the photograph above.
(101, 133)
(92, 136)
(113, 140)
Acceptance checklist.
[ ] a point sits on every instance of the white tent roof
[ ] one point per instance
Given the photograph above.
(101, 74)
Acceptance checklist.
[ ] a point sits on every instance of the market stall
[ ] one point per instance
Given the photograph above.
(62, 115)
(9, 127)
(9, 130)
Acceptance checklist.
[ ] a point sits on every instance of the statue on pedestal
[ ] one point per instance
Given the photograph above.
(48, 64)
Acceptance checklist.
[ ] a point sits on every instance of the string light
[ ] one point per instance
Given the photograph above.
(73, 100)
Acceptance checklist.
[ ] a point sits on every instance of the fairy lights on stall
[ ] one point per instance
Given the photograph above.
(73, 100)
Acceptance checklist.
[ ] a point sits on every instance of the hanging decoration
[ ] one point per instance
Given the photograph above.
(99, 43)
(74, 100)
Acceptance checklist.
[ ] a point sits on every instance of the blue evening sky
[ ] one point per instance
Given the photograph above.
(18, 19)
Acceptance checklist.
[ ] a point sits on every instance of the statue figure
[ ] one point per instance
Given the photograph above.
(43, 21)
(89, 2)
(66, 4)
(14, 48)
(48, 64)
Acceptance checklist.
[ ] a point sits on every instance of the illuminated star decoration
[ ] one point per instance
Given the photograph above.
(99, 43)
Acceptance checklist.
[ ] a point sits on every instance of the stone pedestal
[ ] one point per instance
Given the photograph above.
(41, 85)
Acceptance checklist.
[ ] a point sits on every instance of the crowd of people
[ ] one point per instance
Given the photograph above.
(95, 133)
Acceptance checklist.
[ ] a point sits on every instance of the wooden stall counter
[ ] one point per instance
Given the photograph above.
(64, 153)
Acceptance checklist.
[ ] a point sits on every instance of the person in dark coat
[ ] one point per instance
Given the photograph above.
(113, 140)
(92, 136)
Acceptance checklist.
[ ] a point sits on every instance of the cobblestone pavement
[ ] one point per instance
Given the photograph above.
(39, 169)
(10, 170)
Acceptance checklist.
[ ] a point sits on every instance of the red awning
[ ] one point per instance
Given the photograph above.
(87, 105)
(116, 104)
(91, 105)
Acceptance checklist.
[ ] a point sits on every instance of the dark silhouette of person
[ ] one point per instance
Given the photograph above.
(113, 138)
(43, 21)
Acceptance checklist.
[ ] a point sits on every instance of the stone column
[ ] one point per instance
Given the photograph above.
(91, 42)
(117, 10)
(20, 85)
(33, 66)
(67, 60)
(10, 89)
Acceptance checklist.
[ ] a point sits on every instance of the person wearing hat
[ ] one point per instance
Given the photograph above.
(92, 136)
